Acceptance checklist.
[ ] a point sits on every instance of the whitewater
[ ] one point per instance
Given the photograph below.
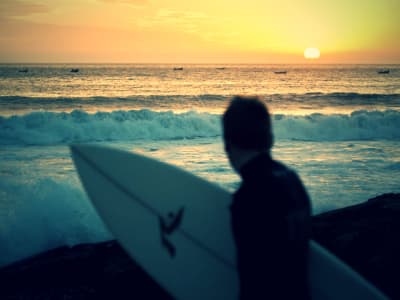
(336, 125)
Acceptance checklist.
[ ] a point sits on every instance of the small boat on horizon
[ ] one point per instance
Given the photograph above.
(387, 71)
(220, 68)
(23, 70)
(74, 70)
(178, 69)
(280, 72)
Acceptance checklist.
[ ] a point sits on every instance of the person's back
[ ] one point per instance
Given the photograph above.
(270, 211)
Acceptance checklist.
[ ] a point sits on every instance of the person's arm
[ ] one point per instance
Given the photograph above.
(260, 243)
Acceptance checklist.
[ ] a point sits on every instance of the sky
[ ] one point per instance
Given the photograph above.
(206, 31)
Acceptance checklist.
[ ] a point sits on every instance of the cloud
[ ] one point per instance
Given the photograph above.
(20, 8)
(207, 27)
(133, 2)
(182, 20)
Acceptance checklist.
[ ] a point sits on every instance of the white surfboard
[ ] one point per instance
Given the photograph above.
(177, 227)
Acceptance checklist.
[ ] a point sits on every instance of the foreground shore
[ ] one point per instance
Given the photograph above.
(366, 236)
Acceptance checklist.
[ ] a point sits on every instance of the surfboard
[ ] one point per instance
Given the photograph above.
(177, 227)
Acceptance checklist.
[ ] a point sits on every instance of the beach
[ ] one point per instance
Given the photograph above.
(336, 125)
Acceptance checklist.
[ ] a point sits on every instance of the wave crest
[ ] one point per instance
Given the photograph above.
(45, 128)
(359, 125)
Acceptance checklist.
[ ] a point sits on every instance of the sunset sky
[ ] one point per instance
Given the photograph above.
(206, 31)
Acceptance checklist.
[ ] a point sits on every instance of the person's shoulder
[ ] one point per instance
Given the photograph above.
(279, 169)
(285, 174)
(293, 185)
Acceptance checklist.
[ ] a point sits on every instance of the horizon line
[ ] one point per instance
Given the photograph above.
(197, 63)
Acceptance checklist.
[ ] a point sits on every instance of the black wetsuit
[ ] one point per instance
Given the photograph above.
(271, 226)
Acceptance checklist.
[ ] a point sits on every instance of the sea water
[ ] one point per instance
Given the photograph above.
(336, 125)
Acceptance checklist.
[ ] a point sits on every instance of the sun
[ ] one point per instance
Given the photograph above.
(312, 53)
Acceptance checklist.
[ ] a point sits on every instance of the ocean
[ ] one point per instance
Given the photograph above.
(336, 125)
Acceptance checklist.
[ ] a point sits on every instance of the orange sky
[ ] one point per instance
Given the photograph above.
(217, 31)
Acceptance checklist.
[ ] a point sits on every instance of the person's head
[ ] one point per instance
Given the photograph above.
(246, 128)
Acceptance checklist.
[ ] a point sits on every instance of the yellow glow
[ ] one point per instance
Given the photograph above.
(312, 53)
(208, 31)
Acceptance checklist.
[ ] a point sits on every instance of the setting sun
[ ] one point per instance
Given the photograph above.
(312, 53)
(144, 31)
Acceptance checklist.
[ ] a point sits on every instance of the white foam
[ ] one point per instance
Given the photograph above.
(47, 128)
(360, 125)
(44, 128)
(44, 214)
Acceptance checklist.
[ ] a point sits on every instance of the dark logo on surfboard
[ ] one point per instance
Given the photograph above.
(168, 225)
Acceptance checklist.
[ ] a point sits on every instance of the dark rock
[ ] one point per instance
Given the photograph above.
(87, 271)
(365, 236)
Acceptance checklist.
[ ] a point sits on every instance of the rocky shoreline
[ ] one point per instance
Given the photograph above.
(366, 236)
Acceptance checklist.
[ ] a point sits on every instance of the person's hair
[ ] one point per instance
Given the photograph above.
(247, 124)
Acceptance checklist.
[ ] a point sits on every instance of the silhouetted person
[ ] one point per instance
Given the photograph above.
(270, 212)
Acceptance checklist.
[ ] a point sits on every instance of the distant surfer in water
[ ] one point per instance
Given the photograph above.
(270, 213)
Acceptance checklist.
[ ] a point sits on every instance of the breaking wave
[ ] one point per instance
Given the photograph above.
(47, 128)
